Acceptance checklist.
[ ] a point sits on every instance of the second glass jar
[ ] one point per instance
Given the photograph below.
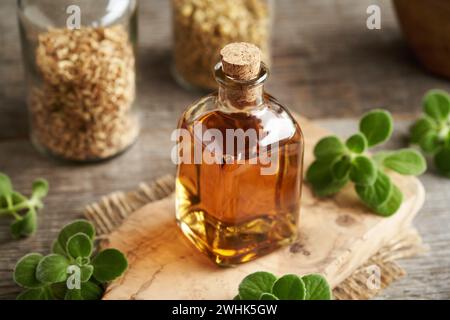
(201, 28)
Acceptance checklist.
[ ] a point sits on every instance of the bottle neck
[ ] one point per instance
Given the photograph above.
(240, 94)
(241, 97)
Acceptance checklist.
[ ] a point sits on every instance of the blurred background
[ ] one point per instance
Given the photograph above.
(326, 63)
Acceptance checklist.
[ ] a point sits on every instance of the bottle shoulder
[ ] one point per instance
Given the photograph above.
(271, 117)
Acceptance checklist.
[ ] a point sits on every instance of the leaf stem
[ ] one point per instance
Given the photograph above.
(28, 204)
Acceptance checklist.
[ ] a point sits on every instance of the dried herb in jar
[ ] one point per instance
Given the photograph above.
(203, 27)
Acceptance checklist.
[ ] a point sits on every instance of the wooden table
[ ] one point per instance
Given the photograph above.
(327, 65)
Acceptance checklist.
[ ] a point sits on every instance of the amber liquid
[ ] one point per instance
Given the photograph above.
(232, 212)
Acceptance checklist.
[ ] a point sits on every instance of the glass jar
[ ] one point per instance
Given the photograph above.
(202, 27)
(240, 164)
(80, 63)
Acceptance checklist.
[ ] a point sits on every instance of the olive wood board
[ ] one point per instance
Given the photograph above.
(336, 236)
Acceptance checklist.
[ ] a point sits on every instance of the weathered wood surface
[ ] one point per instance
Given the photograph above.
(336, 237)
(327, 65)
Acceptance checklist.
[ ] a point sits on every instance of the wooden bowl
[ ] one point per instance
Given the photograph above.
(426, 26)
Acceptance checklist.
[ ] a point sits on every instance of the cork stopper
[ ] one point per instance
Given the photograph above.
(241, 61)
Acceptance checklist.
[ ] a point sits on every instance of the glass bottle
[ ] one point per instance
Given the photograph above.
(240, 163)
(201, 28)
(80, 62)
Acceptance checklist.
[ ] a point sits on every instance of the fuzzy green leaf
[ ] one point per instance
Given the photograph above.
(377, 194)
(421, 128)
(35, 294)
(52, 269)
(442, 161)
(91, 291)
(79, 245)
(392, 205)
(406, 162)
(363, 171)
(437, 105)
(6, 188)
(254, 285)
(109, 265)
(321, 178)
(86, 272)
(40, 189)
(25, 271)
(317, 287)
(329, 148)
(59, 290)
(430, 142)
(268, 297)
(73, 295)
(78, 226)
(289, 287)
(357, 143)
(26, 226)
(377, 127)
(56, 248)
(341, 168)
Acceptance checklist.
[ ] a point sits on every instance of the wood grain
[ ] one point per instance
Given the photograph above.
(327, 65)
(337, 236)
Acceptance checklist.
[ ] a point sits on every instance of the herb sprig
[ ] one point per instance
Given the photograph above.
(22, 209)
(338, 163)
(266, 286)
(432, 131)
(72, 271)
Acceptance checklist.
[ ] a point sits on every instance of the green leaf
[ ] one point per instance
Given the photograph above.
(26, 226)
(59, 290)
(86, 272)
(421, 128)
(436, 105)
(357, 143)
(78, 226)
(109, 265)
(317, 287)
(73, 294)
(322, 180)
(378, 193)
(52, 269)
(254, 285)
(237, 298)
(35, 294)
(6, 188)
(329, 148)
(363, 171)
(56, 248)
(25, 271)
(442, 161)
(341, 168)
(430, 142)
(406, 162)
(40, 189)
(268, 297)
(91, 291)
(79, 245)
(377, 127)
(289, 287)
(392, 205)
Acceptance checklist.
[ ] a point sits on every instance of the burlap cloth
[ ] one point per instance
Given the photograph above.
(110, 212)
